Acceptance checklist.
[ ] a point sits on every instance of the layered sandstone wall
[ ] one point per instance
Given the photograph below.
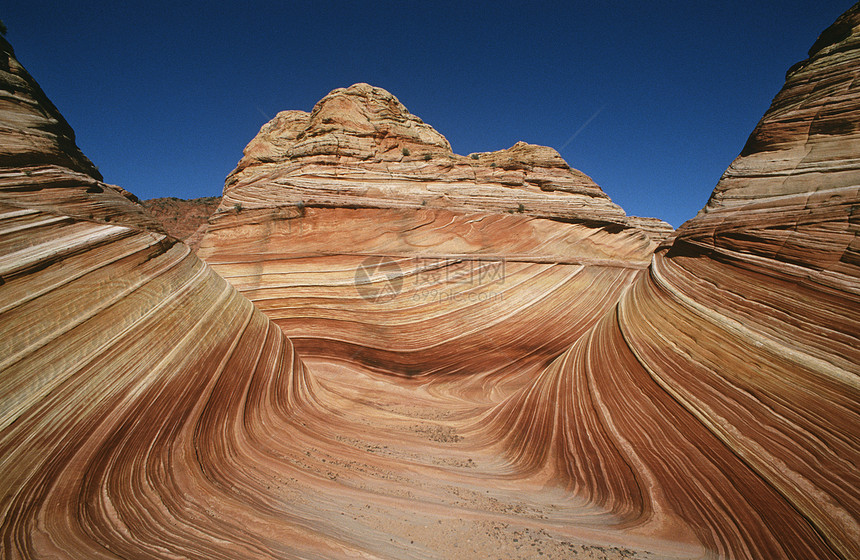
(462, 378)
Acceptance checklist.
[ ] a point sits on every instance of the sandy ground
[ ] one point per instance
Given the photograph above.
(403, 477)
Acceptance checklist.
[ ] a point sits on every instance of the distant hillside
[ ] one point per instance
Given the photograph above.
(183, 218)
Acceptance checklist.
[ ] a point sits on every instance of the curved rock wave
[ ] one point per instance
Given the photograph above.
(722, 390)
(471, 377)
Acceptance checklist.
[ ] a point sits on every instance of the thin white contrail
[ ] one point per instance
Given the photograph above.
(581, 128)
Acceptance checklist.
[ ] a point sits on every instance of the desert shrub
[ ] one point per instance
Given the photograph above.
(521, 208)
(427, 157)
(474, 156)
(405, 151)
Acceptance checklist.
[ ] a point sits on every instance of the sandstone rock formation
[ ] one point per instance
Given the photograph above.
(184, 220)
(360, 147)
(43, 168)
(728, 374)
(711, 337)
(656, 229)
(113, 339)
(474, 381)
(318, 194)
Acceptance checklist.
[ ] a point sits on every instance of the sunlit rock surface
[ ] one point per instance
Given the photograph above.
(117, 346)
(656, 229)
(360, 147)
(719, 398)
(360, 191)
(475, 380)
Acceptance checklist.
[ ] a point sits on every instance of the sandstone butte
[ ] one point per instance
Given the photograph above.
(385, 356)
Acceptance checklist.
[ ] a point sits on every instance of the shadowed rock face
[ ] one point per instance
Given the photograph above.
(183, 219)
(473, 382)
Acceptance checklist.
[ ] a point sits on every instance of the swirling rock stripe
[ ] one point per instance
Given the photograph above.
(151, 411)
(465, 287)
(699, 403)
(110, 336)
(720, 398)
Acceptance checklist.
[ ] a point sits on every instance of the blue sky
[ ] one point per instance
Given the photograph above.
(163, 97)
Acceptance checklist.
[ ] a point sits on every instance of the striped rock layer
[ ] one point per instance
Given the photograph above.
(458, 378)
(720, 397)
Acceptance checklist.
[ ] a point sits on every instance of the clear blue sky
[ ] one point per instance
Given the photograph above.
(164, 96)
